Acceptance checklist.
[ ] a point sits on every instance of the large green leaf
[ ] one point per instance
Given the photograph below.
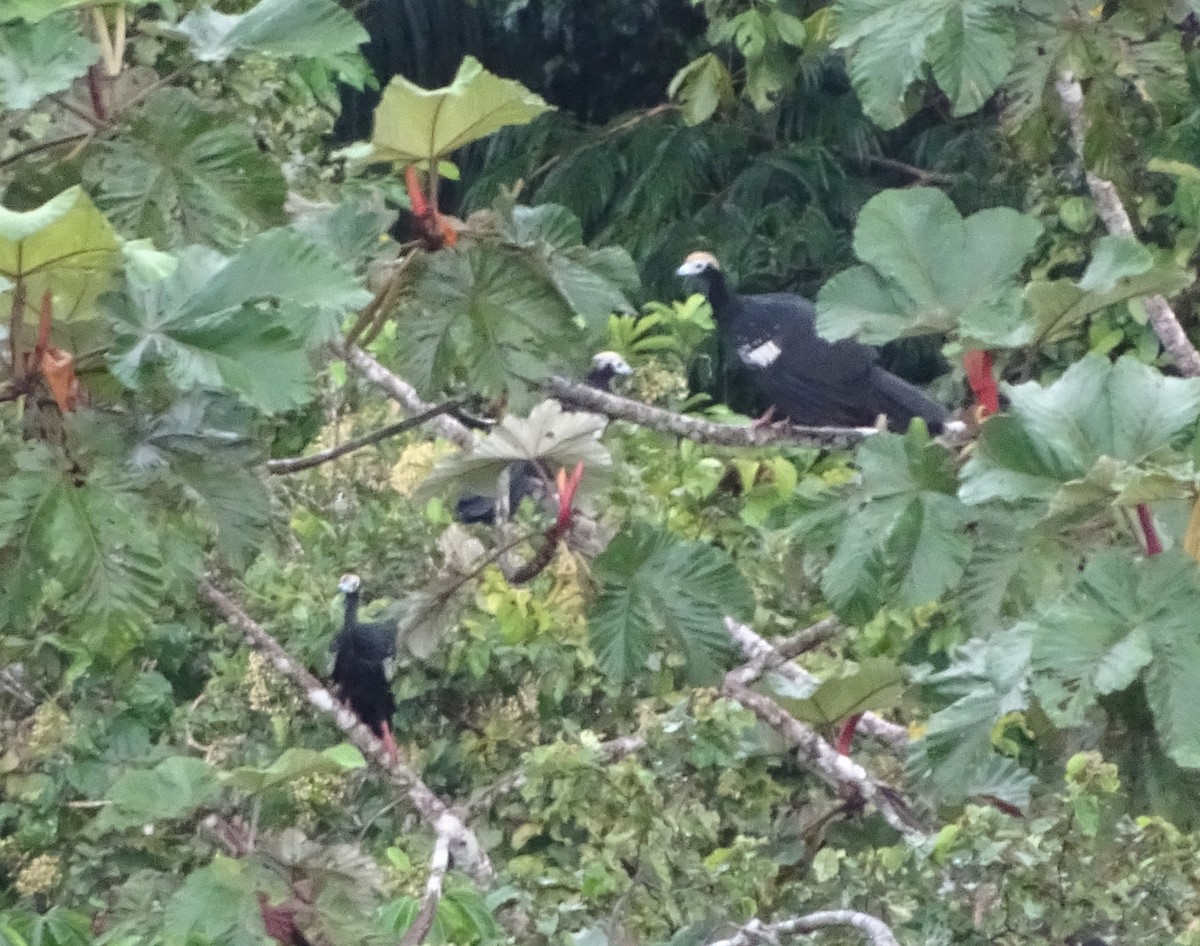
(969, 44)
(314, 28)
(927, 269)
(1130, 618)
(184, 174)
(296, 763)
(217, 904)
(550, 436)
(701, 87)
(171, 790)
(1056, 436)
(956, 756)
(65, 246)
(1121, 269)
(906, 534)
(661, 593)
(37, 59)
(414, 125)
(876, 684)
(243, 325)
(109, 576)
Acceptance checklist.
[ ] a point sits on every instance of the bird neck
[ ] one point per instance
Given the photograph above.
(351, 609)
(599, 378)
(716, 291)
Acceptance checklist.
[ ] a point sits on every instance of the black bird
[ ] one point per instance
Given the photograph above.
(606, 365)
(525, 477)
(802, 376)
(361, 650)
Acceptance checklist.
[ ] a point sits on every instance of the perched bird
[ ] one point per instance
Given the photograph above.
(361, 650)
(606, 365)
(799, 374)
(525, 478)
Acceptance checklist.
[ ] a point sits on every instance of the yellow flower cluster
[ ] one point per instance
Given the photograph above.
(566, 597)
(312, 792)
(49, 728)
(258, 682)
(415, 463)
(656, 383)
(40, 875)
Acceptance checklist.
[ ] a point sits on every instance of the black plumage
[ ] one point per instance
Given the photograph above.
(361, 650)
(804, 377)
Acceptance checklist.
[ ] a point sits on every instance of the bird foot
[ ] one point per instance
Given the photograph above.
(389, 744)
(762, 423)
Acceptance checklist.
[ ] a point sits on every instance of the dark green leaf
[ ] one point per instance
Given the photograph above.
(654, 585)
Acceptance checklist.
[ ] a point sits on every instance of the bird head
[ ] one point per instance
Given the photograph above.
(611, 363)
(349, 584)
(699, 264)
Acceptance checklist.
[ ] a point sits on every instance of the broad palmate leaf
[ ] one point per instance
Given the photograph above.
(1130, 618)
(243, 325)
(37, 59)
(503, 312)
(1084, 440)
(660, 593)
(968, 44)
(173, 789)
(414, 125)
(905, 539)
(316, 28)
(183, 174)
(927, 269)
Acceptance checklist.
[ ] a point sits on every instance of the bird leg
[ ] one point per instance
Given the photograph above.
(762, 423)
(389, 744)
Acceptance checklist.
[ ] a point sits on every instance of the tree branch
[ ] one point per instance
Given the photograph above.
(1116, 220)
(468, 852)
(582, 395)
(439, 863)
(296, 464)
(404, 394)
(765, 656)
(756, 931)
(923, 175)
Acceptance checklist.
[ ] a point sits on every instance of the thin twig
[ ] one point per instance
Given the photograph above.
(920, 174)
(767, 656)
(296, 464)
(404, 394)
(1116, 220)
(468, 852)
(756, 931)
(583, 395)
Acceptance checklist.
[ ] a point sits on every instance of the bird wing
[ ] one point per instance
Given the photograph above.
(811, 380)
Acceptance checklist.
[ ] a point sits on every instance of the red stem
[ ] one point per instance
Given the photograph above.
(846, 734)
(1149, 533)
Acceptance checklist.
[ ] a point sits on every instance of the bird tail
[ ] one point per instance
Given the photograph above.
(901, 402)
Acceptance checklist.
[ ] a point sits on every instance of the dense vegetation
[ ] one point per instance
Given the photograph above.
(883, 687)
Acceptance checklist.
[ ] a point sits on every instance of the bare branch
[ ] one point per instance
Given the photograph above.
(439, 863)
(756, 931)
(766, 656)
(468, 852)
(610, 751)
(702, 431)
(296, 464)
(1116, 221)
(404, 394)
(923, 175)
(840, 772)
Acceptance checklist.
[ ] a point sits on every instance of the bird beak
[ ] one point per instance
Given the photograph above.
(683, 270)
(622, 367)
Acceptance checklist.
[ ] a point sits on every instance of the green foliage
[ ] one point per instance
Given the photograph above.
(415, 125)
(653, 584)
(285, 28)
(502, 311)
(968, 44)
(38, 59)
(927, 269)
(183, 175)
